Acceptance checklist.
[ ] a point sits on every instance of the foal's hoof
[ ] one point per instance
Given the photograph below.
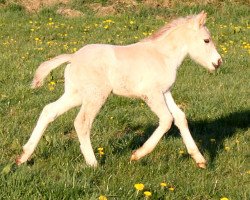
(134, 156)
(18, 160)
(21, 159)
(201, 165)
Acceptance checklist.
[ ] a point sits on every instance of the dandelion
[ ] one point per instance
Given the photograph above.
(224, 198)
(171, 188)
(102, 197)
(163, 185)
(181, 152)
(108, 21)
(139, 186)
(227, 148)
(52, 85)
(100, 151)
(147, 194)
(106, 27)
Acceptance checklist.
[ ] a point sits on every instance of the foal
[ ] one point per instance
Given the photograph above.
(145, 70)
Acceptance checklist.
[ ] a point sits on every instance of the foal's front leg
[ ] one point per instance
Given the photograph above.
(181, 122)
(158, 105)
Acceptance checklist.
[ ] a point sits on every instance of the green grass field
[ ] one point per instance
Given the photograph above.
(217, 106)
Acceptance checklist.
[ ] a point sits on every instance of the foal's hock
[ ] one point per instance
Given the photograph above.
(145, 70)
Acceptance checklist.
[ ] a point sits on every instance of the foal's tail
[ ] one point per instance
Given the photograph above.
(46, 67)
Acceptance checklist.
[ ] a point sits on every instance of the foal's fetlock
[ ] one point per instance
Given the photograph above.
(93, 164)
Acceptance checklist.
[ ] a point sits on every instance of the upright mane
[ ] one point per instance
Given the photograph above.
(165, 30)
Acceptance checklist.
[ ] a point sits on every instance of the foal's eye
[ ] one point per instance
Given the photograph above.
(206, 40)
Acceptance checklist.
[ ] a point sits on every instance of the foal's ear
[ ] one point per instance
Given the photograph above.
(201, 18)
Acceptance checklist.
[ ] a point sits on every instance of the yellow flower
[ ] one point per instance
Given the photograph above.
(181, 152)
(139, 186)
(171, 189)
(106, 27)
(100, 149)
(52, 82)
(147, 194)
(163, 184)
(102, 197)
(224, 198)
(108, 21)
(52, 85)
(227, 148)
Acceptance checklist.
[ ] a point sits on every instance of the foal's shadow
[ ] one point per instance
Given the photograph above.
(209, 135)
(212, 134)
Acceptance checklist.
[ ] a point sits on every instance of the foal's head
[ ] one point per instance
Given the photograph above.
(200, 45)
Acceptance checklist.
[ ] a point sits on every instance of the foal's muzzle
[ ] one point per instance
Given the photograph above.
(218, 64)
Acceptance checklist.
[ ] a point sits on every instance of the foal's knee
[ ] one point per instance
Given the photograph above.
(48, 113)
(77, 124)
(166, 123)
(180, 120)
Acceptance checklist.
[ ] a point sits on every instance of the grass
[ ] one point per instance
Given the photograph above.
(217, 107)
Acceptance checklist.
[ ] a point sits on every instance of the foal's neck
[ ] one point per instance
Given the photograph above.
(172, 49)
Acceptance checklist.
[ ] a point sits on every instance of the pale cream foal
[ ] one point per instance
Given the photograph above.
(145, 70)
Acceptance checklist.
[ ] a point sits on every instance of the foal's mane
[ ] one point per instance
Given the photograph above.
(165, 30)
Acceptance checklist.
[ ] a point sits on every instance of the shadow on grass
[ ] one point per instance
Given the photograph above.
(212, 134)
(209, 135)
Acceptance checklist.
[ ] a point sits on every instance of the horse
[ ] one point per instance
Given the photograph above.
(145, 70)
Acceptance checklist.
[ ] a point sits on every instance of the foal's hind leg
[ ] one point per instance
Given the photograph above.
(90, 106)
(181, 122)
(49, 113)
(158, 106)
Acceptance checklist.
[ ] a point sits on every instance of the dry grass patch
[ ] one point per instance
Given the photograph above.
(36, 5)
(103, 10)
(69, 12)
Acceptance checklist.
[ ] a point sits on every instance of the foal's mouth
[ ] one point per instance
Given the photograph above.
(216, 66)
